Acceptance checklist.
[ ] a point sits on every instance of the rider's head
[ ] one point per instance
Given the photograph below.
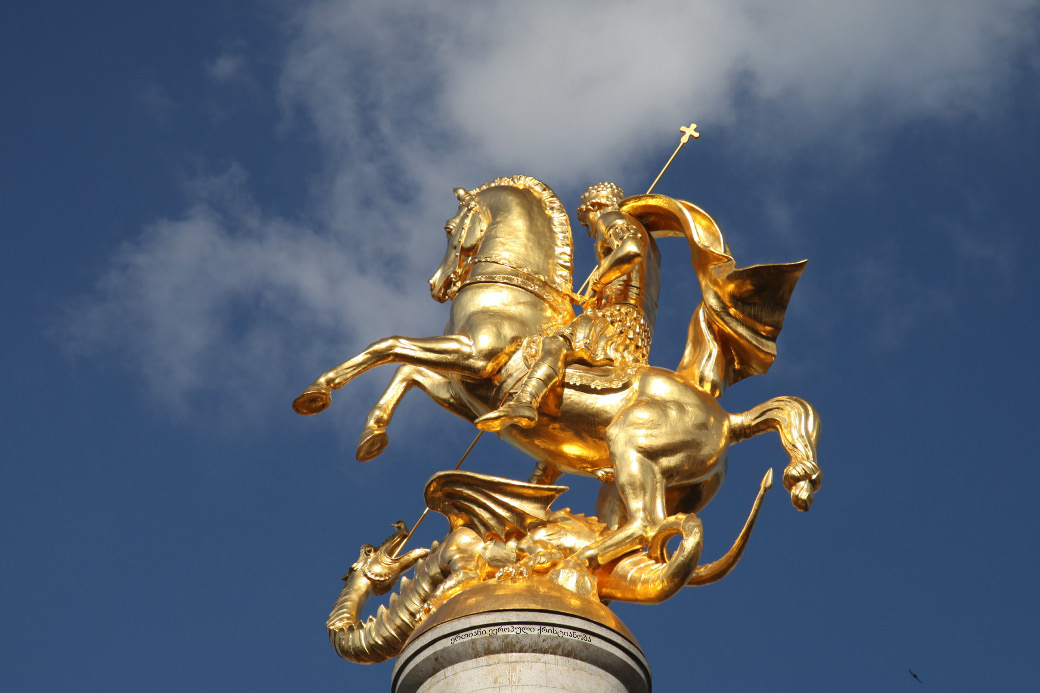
(599, 197)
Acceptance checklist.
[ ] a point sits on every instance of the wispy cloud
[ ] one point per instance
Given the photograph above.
(409, 99)
(570, 91)
(157, 103)
(229, 66)
(222, 300)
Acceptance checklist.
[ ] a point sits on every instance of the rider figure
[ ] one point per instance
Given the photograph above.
(617, 324)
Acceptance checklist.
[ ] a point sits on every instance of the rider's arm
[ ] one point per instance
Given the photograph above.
(628, 253)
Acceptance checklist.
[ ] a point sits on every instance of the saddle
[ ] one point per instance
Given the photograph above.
(586, 376)
(598, 378)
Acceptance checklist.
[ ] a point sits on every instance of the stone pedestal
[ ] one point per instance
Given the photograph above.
(521, 638)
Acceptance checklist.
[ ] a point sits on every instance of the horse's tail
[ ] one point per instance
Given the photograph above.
(798, 425)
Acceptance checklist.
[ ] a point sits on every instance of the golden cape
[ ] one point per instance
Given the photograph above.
(733, 331)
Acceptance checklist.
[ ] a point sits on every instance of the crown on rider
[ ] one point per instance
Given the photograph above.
(599, 196)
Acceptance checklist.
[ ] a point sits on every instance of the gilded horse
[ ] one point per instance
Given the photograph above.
(659, 435)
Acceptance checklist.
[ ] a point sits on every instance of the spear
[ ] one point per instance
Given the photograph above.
(688, 132)
(427, 511)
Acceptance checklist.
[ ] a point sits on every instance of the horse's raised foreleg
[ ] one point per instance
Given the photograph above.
(446, 354)
(374, 439)
(799, 427)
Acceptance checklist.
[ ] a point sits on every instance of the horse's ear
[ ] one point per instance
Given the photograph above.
(460, 193)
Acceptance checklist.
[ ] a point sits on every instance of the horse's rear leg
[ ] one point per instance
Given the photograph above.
(639, 483)
(799, 427)
(373, 438)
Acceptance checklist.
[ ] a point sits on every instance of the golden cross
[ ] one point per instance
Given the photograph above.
(687, 132)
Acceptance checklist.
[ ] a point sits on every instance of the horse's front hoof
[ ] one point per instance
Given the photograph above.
(313, 400)
(373, 441)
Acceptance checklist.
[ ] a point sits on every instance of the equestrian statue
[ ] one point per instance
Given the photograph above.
(574, 391)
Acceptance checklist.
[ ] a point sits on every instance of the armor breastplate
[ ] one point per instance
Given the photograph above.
(642, 285)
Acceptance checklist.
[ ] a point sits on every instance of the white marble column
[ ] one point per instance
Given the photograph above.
(521, 651)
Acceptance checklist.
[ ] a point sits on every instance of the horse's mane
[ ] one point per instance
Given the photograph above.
(563, 263)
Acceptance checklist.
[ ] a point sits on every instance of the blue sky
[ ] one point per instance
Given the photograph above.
(208, 204)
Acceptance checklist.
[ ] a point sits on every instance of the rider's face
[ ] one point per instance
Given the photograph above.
(594, 219)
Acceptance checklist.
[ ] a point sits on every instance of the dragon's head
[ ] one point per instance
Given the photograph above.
(382, 566)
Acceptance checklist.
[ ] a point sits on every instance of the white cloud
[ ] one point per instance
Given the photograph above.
(222, 301)
(568, 89)
(410, 99)
(229, 66)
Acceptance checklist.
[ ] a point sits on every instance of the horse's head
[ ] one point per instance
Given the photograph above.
(465, 231)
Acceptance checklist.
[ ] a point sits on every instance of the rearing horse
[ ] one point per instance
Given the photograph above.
(660, 435)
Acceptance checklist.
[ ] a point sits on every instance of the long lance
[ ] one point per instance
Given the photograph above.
(427, 510)
(688, 132)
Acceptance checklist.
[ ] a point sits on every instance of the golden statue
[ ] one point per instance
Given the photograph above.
(576, 394)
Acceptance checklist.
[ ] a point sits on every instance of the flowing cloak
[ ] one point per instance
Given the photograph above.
(733, 331)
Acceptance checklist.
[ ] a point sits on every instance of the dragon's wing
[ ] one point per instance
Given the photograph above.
(490, 505)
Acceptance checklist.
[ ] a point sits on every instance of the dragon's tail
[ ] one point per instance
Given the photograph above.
(716, 570)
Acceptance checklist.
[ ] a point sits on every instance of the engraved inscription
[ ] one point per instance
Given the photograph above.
(520, 629)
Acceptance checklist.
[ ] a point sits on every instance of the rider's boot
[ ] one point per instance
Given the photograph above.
(522, 408)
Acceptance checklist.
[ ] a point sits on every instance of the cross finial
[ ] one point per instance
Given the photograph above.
(689, 132)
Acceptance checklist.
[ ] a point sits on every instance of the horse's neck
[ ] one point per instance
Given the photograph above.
(521, 235)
